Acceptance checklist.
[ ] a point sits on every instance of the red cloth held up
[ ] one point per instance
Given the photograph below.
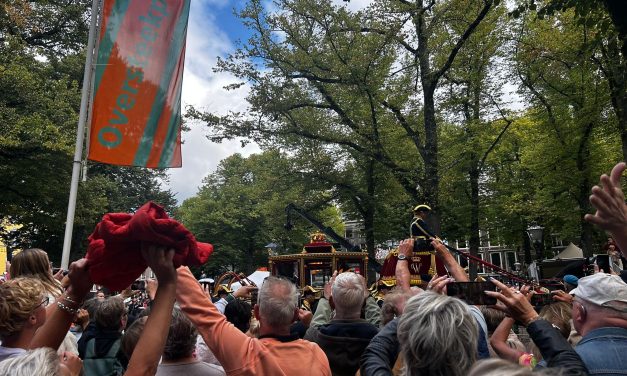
(114, 253)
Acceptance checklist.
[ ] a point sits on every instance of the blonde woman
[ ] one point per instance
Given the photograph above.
(22, 312)
(34, 263)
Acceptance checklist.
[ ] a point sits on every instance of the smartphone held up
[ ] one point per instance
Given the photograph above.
(472, 293)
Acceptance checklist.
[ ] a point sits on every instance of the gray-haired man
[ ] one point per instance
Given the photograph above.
(600, 316)
(346, 336)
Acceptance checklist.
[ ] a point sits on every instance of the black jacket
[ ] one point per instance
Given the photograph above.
(104, 340)
(343, 341)
(555, 350)
(379, 357)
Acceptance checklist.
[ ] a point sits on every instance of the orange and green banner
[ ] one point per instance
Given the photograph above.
(136, 110)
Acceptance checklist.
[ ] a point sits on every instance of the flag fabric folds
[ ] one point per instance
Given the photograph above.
(136, 110)
(119, 236)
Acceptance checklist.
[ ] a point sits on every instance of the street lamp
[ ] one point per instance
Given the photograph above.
(535, 234)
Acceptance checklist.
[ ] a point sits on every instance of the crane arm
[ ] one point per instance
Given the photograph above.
(291, 208)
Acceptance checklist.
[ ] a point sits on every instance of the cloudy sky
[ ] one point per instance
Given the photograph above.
(212, 32)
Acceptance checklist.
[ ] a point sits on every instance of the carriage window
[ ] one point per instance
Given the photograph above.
(317, 273)
(355, 266)
(511, 260)
(287, 269)
(495, 258)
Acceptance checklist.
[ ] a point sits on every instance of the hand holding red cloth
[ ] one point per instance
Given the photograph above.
(114, 252)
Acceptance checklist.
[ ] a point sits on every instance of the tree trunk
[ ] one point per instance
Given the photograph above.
(583, 162)
(614, 67)
(475, 241)
(586, 237)
(431, 179)
(369, 213)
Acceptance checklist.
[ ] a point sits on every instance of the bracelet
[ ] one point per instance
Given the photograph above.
(69, 303)
(70, 300)
(71, 311)
(535, 318)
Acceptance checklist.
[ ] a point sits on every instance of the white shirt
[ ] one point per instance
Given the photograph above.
(10, 352)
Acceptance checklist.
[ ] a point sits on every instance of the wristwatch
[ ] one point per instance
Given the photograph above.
(402, 256)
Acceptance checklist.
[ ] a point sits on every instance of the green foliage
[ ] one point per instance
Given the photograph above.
(37, 115)
(241, 208)
(373, 112)
(47, 26)
(41, 68)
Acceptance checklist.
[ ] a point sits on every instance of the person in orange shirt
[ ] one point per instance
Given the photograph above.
(275, 352)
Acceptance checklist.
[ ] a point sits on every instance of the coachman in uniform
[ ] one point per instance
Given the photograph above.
(310, 301)
(380, 289)
(419, 230)
(423, 264)
(221, 292)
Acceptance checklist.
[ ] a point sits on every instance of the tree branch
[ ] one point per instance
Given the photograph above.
(487, 4)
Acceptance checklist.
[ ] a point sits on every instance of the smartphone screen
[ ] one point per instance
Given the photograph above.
(472, 292)
(603, 261)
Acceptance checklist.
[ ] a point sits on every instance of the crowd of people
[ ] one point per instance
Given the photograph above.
(57, 326)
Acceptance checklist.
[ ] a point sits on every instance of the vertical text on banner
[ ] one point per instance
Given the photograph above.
(136, 114)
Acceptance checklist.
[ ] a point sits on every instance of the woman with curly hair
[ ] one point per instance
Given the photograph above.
(34, 263)
(22, 311)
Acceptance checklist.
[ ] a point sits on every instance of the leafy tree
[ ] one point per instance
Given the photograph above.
(364, 81)
(606, 24)
(570, 108)
(241, 208)
(51, 27)
(37, 117)
(41, 68)
(479, 120)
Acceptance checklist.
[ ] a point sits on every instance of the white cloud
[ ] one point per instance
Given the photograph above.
(203, 88)
(353, 4)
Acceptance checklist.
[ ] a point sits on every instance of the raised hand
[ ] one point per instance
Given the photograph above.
(151, 288)
(329, 285)
(438, 284)
(440, 248)
(305, 317)
(515, 303)
(159, 259)
(406, 248)
(244, 292)
(609, 201)
(149, 349)
(58, 275)
(562, 296)
(80, 283)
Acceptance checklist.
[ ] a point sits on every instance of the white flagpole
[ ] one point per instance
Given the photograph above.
(91, 99)
(80, 136)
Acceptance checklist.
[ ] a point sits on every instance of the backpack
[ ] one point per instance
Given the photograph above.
(109, 365)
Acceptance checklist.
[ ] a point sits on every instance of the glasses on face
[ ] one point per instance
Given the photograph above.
(44, 303)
